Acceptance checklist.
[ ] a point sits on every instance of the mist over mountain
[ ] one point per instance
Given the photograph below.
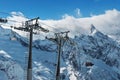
(108, 23)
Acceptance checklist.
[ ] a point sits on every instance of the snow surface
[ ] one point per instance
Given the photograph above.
(3, 75)
(18, 52)
(96, 48)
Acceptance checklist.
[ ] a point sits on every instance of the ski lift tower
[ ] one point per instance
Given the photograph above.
(29, 26)
(60, 39)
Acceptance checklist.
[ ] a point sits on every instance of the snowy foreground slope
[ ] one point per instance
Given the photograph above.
(86, 57)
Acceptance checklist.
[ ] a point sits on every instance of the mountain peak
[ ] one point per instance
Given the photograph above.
(96, 33)
(92, 29)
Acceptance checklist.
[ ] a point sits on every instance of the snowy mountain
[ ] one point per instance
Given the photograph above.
(95, 57)
(85, 57)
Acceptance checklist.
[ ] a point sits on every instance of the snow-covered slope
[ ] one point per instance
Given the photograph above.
(43, 61)
(85, 57)
(93, 57)
(12, 70)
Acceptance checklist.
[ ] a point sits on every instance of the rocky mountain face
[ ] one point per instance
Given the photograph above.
(93, 57)
(85, 57)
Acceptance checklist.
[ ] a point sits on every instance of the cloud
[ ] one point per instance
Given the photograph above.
(108, 23)
(16, 19)
(91, 14)
(78, 12)
(17, 14)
